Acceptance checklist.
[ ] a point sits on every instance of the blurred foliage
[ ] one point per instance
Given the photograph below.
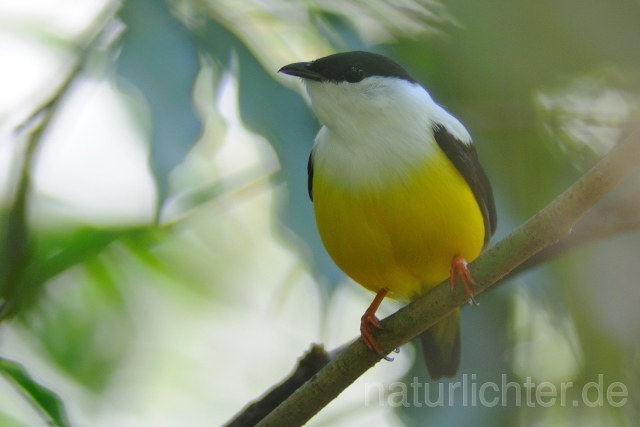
(42, 399)
(160, 58)
(544, 87)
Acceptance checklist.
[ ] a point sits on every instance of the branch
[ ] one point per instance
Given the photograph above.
(611, 217)
(542, 230)
(314, 360)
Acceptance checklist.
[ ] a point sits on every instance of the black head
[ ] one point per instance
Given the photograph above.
(350, 67)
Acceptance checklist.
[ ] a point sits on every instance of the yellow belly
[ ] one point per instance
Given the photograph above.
(401, 236)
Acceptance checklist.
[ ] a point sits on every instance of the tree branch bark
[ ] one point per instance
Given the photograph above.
(542, 230)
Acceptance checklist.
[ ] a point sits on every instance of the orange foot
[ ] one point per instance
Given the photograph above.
(459, 269)
(369, 320)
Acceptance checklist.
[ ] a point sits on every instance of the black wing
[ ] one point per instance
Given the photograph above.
(465, 158)
(310, 176)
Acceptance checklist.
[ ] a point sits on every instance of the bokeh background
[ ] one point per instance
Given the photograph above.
(159, 263)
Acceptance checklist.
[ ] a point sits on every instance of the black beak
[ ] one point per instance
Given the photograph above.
(301, 69)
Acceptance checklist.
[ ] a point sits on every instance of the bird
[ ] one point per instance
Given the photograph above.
(400, 199)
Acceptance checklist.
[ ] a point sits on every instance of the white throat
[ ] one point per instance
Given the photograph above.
(376, 130)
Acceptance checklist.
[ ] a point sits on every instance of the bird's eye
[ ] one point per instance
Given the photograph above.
(354, 75)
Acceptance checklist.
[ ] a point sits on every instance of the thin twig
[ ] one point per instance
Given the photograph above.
(313, 361)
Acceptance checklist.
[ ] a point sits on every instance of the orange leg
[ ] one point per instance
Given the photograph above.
(368, 320)
(459, 269)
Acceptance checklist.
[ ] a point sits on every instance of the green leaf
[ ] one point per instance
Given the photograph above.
(44, 401)
(7, 421)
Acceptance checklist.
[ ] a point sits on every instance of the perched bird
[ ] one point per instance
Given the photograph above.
(400, 199)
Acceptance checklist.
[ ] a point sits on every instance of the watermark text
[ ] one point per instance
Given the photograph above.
(469, 392)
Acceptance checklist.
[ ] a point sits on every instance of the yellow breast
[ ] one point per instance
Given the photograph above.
(402, 235)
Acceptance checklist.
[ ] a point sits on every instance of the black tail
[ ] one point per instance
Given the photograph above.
(441, 347)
